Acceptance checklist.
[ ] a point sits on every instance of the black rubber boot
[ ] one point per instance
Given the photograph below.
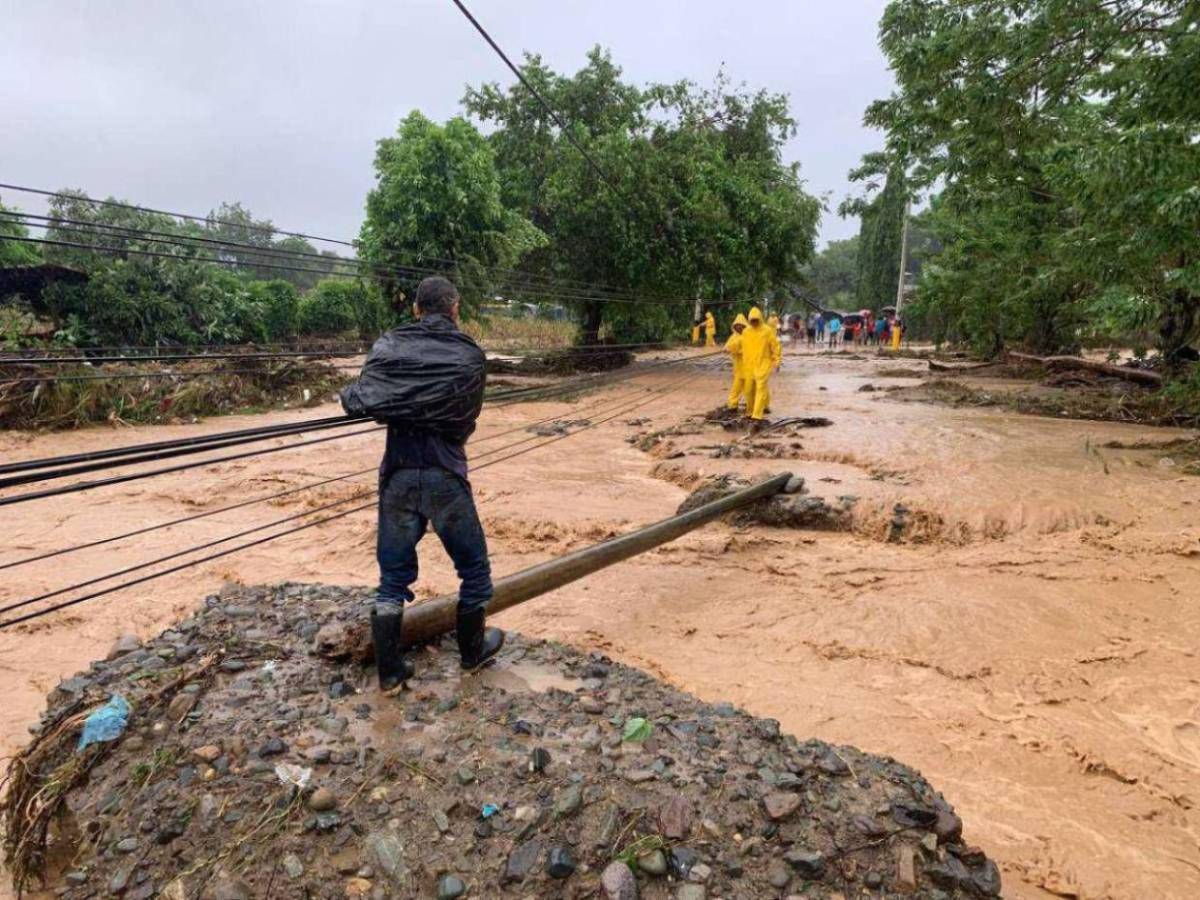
(476, 644)
(393, 668)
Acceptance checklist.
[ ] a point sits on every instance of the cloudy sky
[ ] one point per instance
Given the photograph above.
(278, 104)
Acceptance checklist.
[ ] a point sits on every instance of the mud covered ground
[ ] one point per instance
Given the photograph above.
(252, 767)
(1007, 603)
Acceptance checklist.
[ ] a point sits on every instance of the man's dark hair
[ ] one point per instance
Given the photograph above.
(436, 295)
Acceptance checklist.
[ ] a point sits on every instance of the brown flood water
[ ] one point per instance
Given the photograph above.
(1032, 653)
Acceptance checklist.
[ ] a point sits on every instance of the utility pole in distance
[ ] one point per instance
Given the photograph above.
(903, 257)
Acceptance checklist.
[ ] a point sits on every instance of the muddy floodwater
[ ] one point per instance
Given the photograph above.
(1013, 607)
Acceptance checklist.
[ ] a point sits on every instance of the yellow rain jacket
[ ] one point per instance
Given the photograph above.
(761, 355)
(773, 321)
(710, 330)
(733, 347)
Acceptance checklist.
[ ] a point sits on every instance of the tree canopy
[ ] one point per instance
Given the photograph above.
(436, 205)
(1064, 140)
(692, 197)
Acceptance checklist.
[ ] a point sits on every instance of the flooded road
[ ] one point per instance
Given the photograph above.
(1028, 644)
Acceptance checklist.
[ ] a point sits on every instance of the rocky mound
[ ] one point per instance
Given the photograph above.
(252, 766)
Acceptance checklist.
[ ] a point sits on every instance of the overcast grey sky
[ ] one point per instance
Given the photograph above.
(279, 104)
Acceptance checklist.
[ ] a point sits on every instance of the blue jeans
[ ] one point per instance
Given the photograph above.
(409, 501)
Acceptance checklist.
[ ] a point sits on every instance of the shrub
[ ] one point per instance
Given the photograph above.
(280, 305)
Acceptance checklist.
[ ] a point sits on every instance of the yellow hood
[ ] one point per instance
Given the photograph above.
(755, 313)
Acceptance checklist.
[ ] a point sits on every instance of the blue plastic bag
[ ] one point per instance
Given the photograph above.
(106, 724)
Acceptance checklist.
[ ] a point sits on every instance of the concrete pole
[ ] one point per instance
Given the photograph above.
(424, 621)
(903, 258)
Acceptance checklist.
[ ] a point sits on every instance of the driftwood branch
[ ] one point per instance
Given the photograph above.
(1140, 376)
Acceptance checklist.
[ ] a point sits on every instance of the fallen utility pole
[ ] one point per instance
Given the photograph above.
(427, 620)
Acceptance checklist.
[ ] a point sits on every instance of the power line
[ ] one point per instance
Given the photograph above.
(550, 111)
(251, 354)
(327, 265)
(272, 230)
(259, 541)
(268, 497)
(136, 476)
(189, 446)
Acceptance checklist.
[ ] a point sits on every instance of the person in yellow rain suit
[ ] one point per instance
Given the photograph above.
(710, 330)
(733, 347)
(696, 332)
(773, 321)
(761, 355)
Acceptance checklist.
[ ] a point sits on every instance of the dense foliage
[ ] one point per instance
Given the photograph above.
(692, 197)
(437, 205)
(145, 288)
(1063, 137)
(15, 253)
(682, 193)
(831, 279)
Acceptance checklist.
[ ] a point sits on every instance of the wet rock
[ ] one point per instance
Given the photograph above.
(653, 863)
(779, 874)
(522, 860)
(225, 887)
(207, 754)
(948, 827)
(700, 873)
(767, 729)
(385, 849)
(560, 863)
(807, 863)
(450, 887)
(568, 802)
(322, 800)
(779, 806)
(273, 747)
(618, 882)
(681, 861)
(127, 845)
(906, 868)
(126, 643)
(180, 706)
(441, 821)
(691, 892)
(914, 815)
(539, 759)
(292, 866)
(675, 818)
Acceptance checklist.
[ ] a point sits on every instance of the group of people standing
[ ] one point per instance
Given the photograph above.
(756, 352)
(860, 329)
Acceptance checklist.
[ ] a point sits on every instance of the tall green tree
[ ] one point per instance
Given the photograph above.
(1065, 136)
(832, 276)
(437, 204)
(692, 197)
(881, 216)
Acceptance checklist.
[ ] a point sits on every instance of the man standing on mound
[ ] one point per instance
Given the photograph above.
(426, 380)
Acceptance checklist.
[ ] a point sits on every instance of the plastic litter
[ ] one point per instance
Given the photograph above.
(636, 730)
(489, 810)
(105, 724)
(297, 776)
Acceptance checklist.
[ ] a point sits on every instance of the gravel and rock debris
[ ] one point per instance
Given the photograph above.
(253, 765)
